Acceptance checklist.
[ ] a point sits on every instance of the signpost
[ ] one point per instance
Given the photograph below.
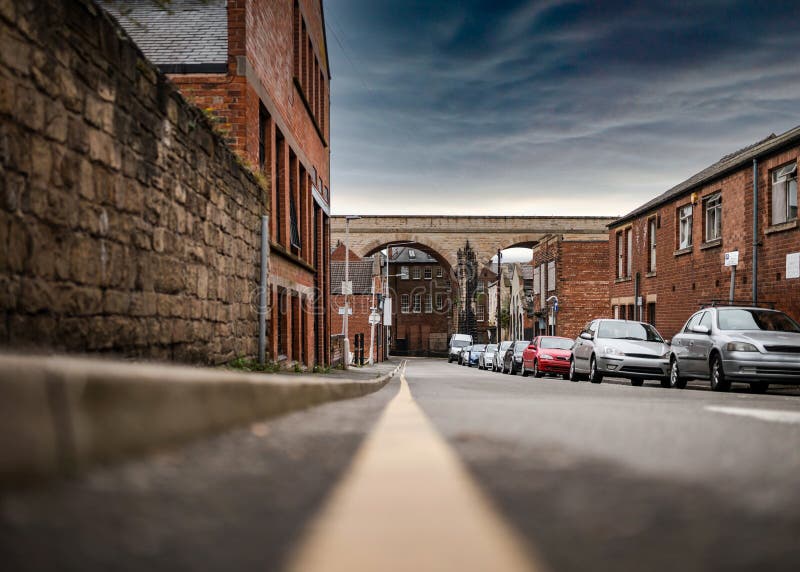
(732, 260)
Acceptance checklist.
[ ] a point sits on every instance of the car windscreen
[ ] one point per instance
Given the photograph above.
(459, 343)
(753, 319)
(505, 345)
(519, 346)
(628, 331)
(491, 347)
(555, 344)
(479, 348)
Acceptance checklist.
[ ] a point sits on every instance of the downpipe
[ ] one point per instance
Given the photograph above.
(263, 288)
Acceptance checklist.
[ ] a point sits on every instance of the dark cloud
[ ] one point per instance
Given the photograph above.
(548, 107)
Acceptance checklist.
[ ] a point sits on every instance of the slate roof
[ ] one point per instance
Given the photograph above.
(360, 276)
(722, 167)
(403, 254)
(187, 36)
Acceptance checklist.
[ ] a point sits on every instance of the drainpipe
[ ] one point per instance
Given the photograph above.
(755, 231)
(262, 302)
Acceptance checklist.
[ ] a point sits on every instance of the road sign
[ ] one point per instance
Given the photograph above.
(732, 258)
(374, 318)
(793, 265)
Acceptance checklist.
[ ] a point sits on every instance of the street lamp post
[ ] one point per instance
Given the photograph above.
(499, 281)
(347, 287)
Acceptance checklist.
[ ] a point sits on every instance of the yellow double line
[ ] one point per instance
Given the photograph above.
(407, 504)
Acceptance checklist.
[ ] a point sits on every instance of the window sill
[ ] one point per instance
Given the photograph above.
(788, 225)
(650, 274)
(711, 244)
(622, 279)
(682, 251)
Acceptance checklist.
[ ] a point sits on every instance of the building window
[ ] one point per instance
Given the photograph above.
(417, 303)
(428, 303)
(620, 254)
(439, 272)
(685, 227)
(551, 276)
(428, 273)
(651, 313)
(651, 241)
(481, 313)
(616, 312)
(412, 254)
(439, 301)
(629, 252)
(404, 273)
(404, 303)
(784, 194)
(294, 226)
(713, 213)
(416, 273)
(481, 286)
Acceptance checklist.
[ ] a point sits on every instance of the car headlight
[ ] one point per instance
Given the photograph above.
(546, 356)
(612, 351)
(740, 347)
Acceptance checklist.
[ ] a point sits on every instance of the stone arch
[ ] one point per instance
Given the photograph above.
(432, 247)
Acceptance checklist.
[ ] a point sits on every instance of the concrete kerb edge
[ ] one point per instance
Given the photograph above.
(60, 416)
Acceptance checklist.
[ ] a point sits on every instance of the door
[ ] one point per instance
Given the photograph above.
(689, 363)
(702, 346)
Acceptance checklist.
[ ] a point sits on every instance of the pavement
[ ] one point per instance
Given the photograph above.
(559, 475)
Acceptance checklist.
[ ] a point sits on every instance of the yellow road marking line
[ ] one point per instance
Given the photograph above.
(407, 504)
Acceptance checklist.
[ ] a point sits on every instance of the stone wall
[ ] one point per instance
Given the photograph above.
(126, 226)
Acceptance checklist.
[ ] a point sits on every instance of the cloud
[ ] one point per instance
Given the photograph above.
(518, 107)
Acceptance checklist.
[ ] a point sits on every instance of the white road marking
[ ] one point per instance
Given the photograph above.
(408, 504)
(774, 415)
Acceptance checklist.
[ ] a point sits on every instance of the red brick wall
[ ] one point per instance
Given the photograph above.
(682, 281)
(582, 288)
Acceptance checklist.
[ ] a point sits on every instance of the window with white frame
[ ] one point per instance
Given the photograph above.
(629, 252)
(439, 272)
(404, 303)
(404, 272)
(685, 227)
(428, 303)
(439, 301)
(428, 273)
(551, 276)
(712, 209)
(620, 254)
(416, 274)
(412, 253)
(417, 303)
(784, 194)
(651, 241)
(480, 313)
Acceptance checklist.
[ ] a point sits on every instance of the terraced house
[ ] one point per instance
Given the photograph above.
(668, 256)
(260, 68)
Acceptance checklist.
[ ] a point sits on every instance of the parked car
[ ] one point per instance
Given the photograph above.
(499, 355)
(736, 344)
(547, 354)
(512, 361)
(475, 354)
(464, 355)
(457, 343)
(622, 348)
(487, 357)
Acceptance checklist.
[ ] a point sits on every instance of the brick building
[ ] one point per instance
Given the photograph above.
(574, 269)
(667, 256)
(422, 308)
(260, 68)
(365, 275)
(484, 323)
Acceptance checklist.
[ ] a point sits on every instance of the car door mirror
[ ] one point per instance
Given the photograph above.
(586, 336)
(700, 329)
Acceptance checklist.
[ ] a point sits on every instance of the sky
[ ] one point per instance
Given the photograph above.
(548, 107)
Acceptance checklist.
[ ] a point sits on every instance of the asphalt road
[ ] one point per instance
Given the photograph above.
(590, 477)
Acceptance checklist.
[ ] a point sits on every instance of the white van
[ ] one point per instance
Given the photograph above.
(457, 342)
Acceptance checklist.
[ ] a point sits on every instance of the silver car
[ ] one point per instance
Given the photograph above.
(499, 354)
(620, 348)
(736, 344)
(486, 360)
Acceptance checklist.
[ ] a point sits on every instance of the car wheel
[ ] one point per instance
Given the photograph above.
(759, 387)
(450, 360)
(572, 375)
(675, 379)
(525, 370)
(565, 376)
(637, 382)
(594, 375)
(536, 372)
(718, 380)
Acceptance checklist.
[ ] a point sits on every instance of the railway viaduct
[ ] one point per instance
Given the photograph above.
(443, 236)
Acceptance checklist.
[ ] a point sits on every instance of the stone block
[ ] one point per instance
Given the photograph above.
(99, 113)
(15, 52)
(116, 302)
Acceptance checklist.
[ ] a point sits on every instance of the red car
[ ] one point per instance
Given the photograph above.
(547, 354)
